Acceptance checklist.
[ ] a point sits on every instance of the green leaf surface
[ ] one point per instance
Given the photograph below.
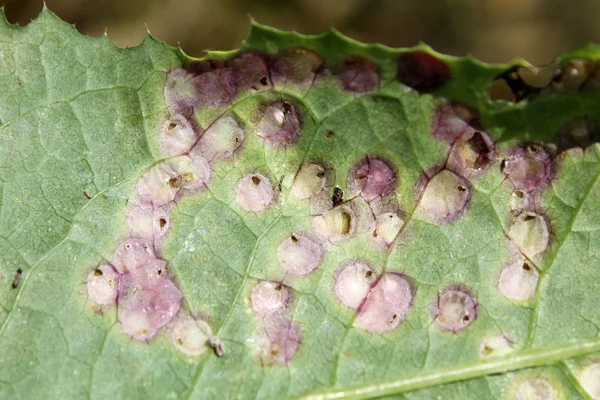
(80, 127)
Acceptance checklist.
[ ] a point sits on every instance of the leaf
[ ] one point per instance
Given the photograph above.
(351, 221)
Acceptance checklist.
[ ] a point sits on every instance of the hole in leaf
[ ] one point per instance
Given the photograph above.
(320, 174)
(172, 126)
(97, 272)
(461, 188)
(294, 239)
(256, 180)
(526, 267)
(264, 81)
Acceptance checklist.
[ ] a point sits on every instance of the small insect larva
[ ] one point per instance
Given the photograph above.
(17, 280)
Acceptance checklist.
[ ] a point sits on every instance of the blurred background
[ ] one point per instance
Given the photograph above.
(492, 30)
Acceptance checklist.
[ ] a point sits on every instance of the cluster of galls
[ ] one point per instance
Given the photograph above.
(137, 279)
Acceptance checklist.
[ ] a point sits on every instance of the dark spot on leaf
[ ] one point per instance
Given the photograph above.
(368, 274)
(264, 81)
(256, 180)
(294, 239)
(97, 272)
(526, 267)
(461, 188)
(529, 218)
(329, 133)
(320, 174)
(162, 222)
(422, 71)
(171, 126)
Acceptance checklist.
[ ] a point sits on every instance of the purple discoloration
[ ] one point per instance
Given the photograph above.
(456, 309)
(279, 340)
(529, 167)
(451, 121)
(133, 253)
(422, 71)
(386, 304)
(270, 297)
(280, 123)
(147, 300)
(253, 71)
(358, 74)
(372, 177)
(180, 93)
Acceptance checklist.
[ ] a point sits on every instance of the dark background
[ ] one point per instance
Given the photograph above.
(492, 30)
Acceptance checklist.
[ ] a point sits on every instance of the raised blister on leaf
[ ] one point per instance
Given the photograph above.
(528, 167)
(270, 297)
(336, 224)
(422, 71)
(387, 227)
(221, 140)
(176, 135)
(217, 86)
(589, 378)
(146, 304)
(255, 193)
(161, 183)
(358, 74)
(496, 346)
(372, 177)
(296, 66)
(353, 282)
(132, 253)
(253, 71)
(190, 336)
(280, 123)
(180, 93)
(310, 181)
(299, 254)
(386, 304)
(518, 281)
(456, 309)
(278, 341)
(531, 232)
(451, 121)
(102, 285)
(536, 389)
(147, 222)
(446, 196)
(473, 152)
